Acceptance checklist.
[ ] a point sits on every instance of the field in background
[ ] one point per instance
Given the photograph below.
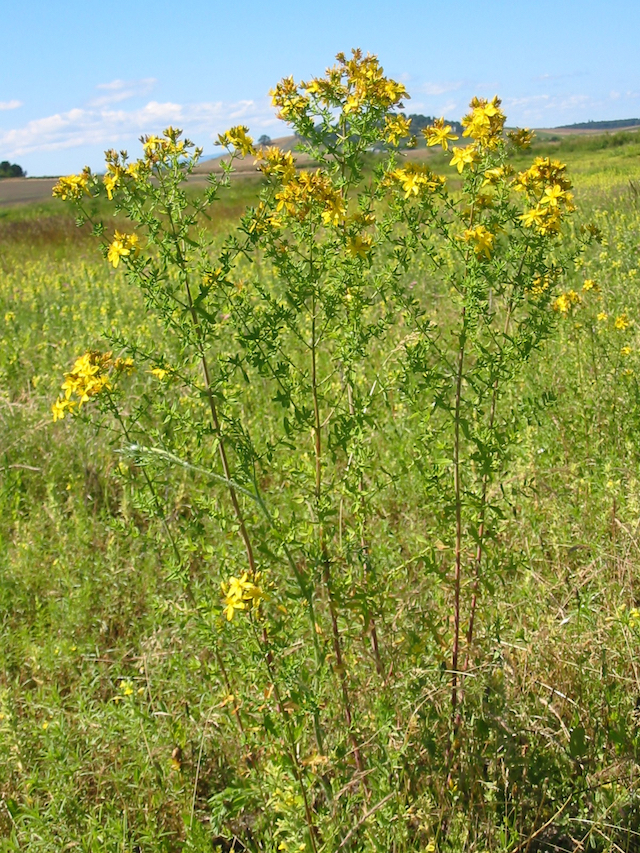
(111, 722)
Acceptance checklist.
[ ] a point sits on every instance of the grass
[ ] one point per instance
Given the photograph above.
(116, 732)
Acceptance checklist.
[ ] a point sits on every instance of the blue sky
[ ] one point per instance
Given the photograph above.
(79, 76)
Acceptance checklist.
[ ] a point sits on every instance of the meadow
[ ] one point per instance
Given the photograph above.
(146, 706)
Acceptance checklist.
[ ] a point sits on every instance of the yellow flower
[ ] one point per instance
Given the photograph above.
(416, 177)
(622, 322)
(240, 593)
(566, 301)
(602, 317)
(539, 285)
(543, 173)
(439, 134)
(73, 186)
(111, 182)
(359, 246)
(237, 136)
(482, 239)
(589, 284)
(334, 211)
(122, 246)
(496, 174)
(152, 144)
(464, 157)
(59, 408)
(126, 687)
(521, 138)
(88, 377)
(292, 104)
(159, 372)
(625, 351)
(553, 195)
(546, 220)
(485, 122)
(396, 128)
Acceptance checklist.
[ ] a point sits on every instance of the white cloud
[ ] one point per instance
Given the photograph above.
(544, 108)
(10, 105)
(435, 89)
(122, 90)
(114, 128)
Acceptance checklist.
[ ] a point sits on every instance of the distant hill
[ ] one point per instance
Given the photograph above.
(601, 125)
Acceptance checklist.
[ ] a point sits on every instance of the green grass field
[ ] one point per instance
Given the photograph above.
(117, 732)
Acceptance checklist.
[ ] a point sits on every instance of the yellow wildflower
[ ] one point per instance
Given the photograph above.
(359, 246)
(622, 322)
(88, 377)
(286, 96)
(464, 157)
(72, 187)
(439, 134)
(602, 317)
(122, 246)
(239, 139)
(483, 240)
(589, 284)
(566, 301)
(416, 177)
(60, 407)
(553, 196)
(396, 128)
(111, 182)
(485, 122)
(625, 351)
(521, 138)
(239, 593)
(273, 161)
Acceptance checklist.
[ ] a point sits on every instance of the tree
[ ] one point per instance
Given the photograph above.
(11, 170)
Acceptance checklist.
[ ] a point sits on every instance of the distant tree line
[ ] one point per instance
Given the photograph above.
(601, 125)
(11, 170)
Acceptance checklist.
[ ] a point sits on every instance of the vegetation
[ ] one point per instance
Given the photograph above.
(331, 545)
(11, 170)
(603, 125)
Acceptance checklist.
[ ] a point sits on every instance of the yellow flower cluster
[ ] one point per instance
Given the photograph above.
(416, 178)
(304, 190)
(238, 138)
(122, 246)
(481, 239)
(547, 188)
(291, 103)
(396, 128)
(521, 138)
(277, 163)
(73, 187)
(88, 377)
(439, 134)
(566, 301)
(240, 594)
(352, 84)
(485, 122)
(118, 170)
(463, 157)
(360, 245)
(540, 285)
(158, 149)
